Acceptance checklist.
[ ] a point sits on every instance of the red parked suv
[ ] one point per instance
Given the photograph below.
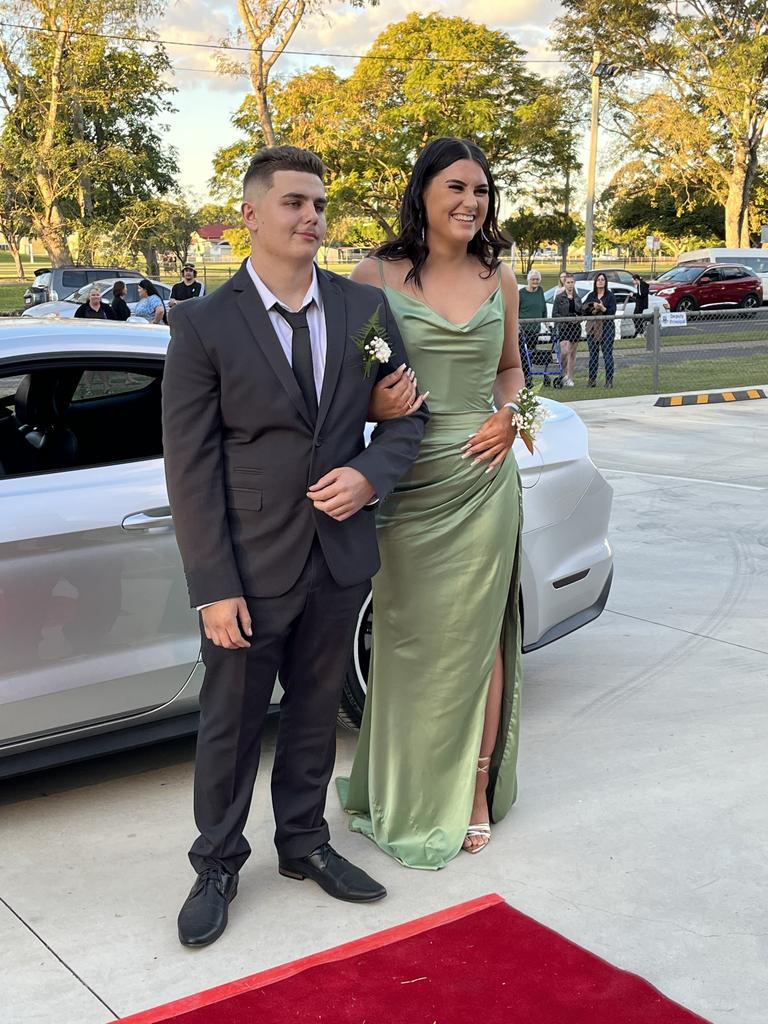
(698, 285)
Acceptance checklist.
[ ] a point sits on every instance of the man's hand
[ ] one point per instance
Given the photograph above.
(395, 396)
(223, 620)
(341, 493)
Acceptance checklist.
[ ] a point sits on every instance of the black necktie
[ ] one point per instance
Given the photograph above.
(301, 355)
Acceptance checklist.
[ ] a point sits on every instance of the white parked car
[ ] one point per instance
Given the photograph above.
(100, 649)
(66, 307)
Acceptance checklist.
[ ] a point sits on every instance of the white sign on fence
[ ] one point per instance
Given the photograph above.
(673, 319)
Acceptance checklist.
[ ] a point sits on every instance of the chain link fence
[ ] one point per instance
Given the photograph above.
(651, 354)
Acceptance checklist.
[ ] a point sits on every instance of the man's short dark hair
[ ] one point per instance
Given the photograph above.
(281, 158)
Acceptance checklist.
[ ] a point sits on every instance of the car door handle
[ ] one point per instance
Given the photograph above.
(149, 519)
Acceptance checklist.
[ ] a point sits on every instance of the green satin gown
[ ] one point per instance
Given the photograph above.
(444, 599)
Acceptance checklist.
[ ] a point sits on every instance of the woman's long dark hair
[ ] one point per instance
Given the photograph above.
(410, 243)
(600, 273)
(148, 287)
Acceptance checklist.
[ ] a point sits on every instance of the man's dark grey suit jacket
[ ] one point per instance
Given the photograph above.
(240, 449)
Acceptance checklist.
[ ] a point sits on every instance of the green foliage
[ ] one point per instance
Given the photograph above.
(700, 121)
(368, 128)
(530, 229)
(82, 130)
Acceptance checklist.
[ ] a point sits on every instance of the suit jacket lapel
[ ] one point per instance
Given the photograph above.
(335, 311)
(260, 326)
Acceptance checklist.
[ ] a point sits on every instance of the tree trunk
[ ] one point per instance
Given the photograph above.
(53, 236)
(149, 252)
(13, 248)
(259, 83)
(737, 203)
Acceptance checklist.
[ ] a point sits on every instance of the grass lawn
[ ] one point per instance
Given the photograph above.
(699, 375)
(12, 297)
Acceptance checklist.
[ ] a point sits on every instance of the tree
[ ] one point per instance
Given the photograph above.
(369, 127)
(637, 202)
(81, 110)
(268, 26)
(15, 222)
(529, 229)
(707, 124)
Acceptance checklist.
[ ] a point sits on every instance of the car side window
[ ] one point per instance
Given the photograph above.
(75, 416)
(100, 383)
(73, 279)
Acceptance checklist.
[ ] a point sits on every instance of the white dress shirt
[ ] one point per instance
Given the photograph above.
(318, 338)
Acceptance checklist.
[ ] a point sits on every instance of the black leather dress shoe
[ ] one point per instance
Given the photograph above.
(203, 917)
(333, 873)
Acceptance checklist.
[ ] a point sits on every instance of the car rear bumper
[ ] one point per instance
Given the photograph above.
(567, 566)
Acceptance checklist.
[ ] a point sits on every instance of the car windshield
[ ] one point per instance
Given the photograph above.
(81, 295)
(682, 275)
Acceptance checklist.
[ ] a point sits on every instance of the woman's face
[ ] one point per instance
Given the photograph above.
(563, 278)
(94, 297)
(568, 283)
(601, 283)
(143, 293)
(456, 202)
(533, 282)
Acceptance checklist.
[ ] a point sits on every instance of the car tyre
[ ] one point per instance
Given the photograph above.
(751, 301)
(686, 305)
(356, 682)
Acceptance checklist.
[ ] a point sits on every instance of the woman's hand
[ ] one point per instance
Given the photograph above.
(493, 441)
(394, 396)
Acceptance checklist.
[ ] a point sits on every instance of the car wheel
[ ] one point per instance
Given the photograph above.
(686, 304)
(750, 301)
(356, 682)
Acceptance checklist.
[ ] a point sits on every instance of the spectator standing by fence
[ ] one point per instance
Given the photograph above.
(94, 308)
(600, 302)
(641, 301)
(120, 308)
(150, 304)
(188, 287)
(567, 303)
(533, 306)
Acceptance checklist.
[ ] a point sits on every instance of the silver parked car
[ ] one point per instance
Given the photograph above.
(98, 646)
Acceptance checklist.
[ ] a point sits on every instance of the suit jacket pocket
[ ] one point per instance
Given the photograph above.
(243, 498)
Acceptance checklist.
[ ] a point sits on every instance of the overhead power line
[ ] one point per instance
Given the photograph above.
(292, 53)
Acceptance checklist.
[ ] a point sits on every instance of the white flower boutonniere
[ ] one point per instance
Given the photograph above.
(371, 342)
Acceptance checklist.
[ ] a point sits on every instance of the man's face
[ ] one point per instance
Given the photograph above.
(286, 220)
(188, 275)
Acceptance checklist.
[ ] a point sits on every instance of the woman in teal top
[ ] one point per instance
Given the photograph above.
(438, 745)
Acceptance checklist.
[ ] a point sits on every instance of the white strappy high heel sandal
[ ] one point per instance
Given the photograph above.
(481, 831)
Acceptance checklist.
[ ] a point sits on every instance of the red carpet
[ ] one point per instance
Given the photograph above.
(480, 961)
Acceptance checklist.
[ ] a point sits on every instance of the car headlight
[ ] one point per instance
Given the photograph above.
(665, 291)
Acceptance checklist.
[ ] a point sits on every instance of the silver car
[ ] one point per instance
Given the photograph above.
(98, 646)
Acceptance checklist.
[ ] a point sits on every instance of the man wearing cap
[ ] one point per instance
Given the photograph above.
(188, 287)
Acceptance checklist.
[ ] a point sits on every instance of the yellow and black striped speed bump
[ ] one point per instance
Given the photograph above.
(711, 397)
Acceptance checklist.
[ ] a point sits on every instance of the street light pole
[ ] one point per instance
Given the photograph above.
(591, 168)
(600, 69)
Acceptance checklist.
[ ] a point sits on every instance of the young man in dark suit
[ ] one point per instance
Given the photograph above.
(265, 399)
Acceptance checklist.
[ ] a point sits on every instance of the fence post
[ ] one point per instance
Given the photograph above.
(656, 340)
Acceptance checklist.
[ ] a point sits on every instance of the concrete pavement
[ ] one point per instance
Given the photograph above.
(641, 827)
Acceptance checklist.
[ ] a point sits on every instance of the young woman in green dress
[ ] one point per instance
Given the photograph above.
(436, 762)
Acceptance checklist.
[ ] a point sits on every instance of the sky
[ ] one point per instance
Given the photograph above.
(205, 100)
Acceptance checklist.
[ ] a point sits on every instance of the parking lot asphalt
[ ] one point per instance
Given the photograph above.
(641, 827)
